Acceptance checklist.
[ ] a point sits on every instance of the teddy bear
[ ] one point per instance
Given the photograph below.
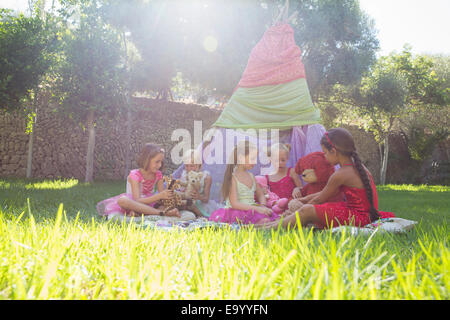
(193, 180)
(315, 171)
(273, 201)
(177, 201)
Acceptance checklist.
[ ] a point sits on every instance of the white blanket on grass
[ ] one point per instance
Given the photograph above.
(188, 222)
(390, 225)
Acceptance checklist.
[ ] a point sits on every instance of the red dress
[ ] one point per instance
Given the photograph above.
(284, 187)
(354, 211)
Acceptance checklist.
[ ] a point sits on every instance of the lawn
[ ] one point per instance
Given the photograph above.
(49, 251)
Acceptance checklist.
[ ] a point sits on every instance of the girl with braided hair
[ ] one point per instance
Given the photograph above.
(353, 179)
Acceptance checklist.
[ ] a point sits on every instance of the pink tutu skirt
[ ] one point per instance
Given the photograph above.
(231, 215)
(108, 206)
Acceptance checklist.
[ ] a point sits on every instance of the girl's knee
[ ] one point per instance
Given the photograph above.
(307, 213)
(123, 201)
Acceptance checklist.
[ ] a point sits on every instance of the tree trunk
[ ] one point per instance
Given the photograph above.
(31, 137)
(91, 146)
(384, 160)
(30, 151)
(128, 142)
(128, 127)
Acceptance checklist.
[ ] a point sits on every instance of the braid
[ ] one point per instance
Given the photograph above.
(374, 215)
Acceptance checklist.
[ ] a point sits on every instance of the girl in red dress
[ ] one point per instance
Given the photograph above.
(285, 183)
(353, 179)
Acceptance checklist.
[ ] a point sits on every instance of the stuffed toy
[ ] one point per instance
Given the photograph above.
(177, 200)
(315, 171)
(293, 206)
(273, 201)
(193, 179)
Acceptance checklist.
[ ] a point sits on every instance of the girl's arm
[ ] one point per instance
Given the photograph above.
(135, 192)
(260, 195)
(235, 204)
(308, 198)
(296, 193)
(330, 190)
(207, 189)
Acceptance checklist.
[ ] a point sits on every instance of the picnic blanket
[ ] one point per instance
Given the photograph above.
(171, 224)
(191, 225)
(388, 225)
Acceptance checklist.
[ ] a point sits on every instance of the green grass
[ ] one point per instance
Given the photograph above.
(52, 252)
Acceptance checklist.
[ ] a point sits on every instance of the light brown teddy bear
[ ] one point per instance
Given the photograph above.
(193, 179)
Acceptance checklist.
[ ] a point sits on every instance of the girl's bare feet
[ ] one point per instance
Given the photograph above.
(173, 213)
(131, 213)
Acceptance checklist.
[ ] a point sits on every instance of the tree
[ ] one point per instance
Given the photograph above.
(428, 125)
(338, 41)
(90, 80)
(396, 87)
(26, 53)
(28, 47)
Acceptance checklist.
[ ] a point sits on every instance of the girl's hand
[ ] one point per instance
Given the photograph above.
(297, 193)
(195, 195)
(166, 194)
(303, 199)
(264, 210)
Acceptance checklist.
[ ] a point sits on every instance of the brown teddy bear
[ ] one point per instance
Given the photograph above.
(176, 201)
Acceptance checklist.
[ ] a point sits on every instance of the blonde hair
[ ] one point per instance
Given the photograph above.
(192, 157)
(277, 147)
(246, 147)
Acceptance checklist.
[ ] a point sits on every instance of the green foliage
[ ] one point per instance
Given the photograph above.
(337, 38)
(398, 86)
(338, 41)
(53, 251)
(28, 48)
(91, 71)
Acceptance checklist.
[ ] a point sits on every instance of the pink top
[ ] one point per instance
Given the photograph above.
(146, 186)
(284, 187)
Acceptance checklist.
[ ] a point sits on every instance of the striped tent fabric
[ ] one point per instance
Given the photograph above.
(272, 94)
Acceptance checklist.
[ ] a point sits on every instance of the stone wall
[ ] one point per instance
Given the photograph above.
(60, 145)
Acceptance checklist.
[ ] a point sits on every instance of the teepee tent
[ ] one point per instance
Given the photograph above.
(272, 94)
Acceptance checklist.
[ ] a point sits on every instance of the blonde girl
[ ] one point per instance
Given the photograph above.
(285, 183)
(202, 206)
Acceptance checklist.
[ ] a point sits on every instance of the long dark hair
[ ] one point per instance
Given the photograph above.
(242, 146)
(343, 142)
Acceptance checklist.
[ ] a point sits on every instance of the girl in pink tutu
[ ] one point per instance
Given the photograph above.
(240, 189)
(144, 188)
(284, 182)
(273, 201)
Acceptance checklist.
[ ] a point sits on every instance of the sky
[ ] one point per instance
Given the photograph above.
(425, 25)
